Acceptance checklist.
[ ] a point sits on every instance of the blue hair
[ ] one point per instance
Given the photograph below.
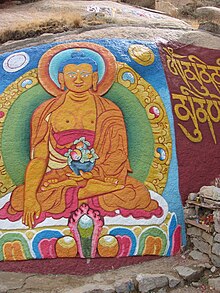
(78, 58)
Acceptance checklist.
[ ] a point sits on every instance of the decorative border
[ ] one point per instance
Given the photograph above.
(60, 241)
(156, 113)
(7, 98)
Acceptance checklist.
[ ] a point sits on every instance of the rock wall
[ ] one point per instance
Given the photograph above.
(94, 183)
(165, 94)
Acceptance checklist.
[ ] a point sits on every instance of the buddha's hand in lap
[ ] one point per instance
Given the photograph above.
(82, 176)
(55, 183)
(71, 181)
(32, 211)
(98, 187)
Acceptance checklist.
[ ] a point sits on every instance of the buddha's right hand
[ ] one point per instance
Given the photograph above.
(32, 211)
(82, 176)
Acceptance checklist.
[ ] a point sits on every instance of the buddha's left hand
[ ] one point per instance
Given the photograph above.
(54, 183)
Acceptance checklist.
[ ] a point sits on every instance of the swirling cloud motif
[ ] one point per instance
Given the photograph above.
(44, 243)
(14, 246)
(16, 61)
(152, 241)
(126, 239)
(174, 236)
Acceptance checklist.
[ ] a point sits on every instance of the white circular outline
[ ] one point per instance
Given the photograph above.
(6, 61)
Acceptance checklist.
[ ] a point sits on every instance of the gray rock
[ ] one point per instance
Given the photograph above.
(166, 7)
(217, 238)
(89, 288)
(215, 283)
(197, 255)
(216, 248)
(192, 196)
(216, 217)
(207, 265)
(213, 269)
(173, 281)
(207, 237)
(162, 290)
(209, 12)
(11, 281)
(189, 274)
(196, 284)
(148, 282)
(124, 286)
(189, 213)
(215, 260)
(194, 231)
(209, 26)
(201, 245)
(46, 282)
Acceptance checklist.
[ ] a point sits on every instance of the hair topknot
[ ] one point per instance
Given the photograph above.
(77, 58)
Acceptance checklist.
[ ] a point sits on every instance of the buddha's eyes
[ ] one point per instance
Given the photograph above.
(81, 74)
(72, 75)
(84, 74)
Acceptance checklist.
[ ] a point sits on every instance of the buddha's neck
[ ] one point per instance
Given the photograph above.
(78, 97)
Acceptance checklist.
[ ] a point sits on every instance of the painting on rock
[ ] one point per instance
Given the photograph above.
(88, 164)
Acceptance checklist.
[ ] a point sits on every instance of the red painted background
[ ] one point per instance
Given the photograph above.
(72, 266)
(198, 162)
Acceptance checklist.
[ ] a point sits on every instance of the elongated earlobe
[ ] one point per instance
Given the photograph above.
(61, 81)
(95, 81)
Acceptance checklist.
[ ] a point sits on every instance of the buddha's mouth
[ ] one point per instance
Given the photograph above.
(78, 85)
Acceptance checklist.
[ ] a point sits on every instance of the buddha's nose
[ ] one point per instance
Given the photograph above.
(78, 79)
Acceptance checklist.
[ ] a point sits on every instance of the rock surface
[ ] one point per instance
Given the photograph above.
(217, 238)
(197, 255)
(113, 11)
(201, 245)
(148, 282)
(12, 281)
(209, 13)
(215, 284)
(124, 285)
(211, 192)
(161, 269)
(216, 249)
(172, 281)
(216, 260)
(126, 23)
(189, 274)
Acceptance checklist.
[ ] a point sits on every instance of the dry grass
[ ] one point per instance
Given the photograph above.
(144, 3)
(53, 23)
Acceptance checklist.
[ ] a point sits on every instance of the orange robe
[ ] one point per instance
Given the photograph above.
(111, 146)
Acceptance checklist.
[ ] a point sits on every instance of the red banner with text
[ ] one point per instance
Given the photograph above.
(193, 76)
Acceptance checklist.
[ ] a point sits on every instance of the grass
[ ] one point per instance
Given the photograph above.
(53, 24)
(143, 3)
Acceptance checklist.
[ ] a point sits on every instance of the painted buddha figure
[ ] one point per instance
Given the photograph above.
(51, 189)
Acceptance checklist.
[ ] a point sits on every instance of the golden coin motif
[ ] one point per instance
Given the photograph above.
(66, 247)
(141, 54)
(108, 246)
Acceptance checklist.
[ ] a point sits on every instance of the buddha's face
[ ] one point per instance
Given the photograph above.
(78, 78)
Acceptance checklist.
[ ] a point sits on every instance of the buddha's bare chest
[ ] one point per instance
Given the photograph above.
(74, 117)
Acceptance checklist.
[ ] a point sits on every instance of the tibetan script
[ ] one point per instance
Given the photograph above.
(198, 96)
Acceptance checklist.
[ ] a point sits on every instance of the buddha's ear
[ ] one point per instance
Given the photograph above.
(61, 81)
(95, 80)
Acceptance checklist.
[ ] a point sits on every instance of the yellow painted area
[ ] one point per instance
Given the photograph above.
(108, 246)
(141, 54)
